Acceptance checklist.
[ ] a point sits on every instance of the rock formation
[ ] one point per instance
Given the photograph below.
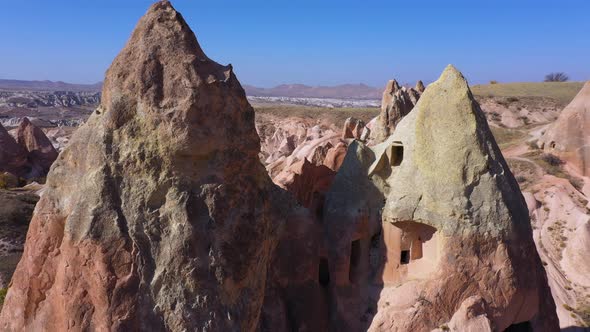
(335, 156)
(30, 155)
(41, 153)
(307, 182)
(420, 87)
(397, 102)
(432, 222)
(568, 136)
(13, 158)
(353, 128)
(314, 148)
(158, 215)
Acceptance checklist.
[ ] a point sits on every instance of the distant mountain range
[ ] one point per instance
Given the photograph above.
(19, 85)
(343, 91)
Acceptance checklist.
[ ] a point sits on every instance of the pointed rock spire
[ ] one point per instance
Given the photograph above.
(397, 102)
(158, 215)
(420, 87)
(41, 153)
(13, 158)
(439, 203)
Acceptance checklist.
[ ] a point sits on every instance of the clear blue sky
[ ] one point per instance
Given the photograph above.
(312, 42)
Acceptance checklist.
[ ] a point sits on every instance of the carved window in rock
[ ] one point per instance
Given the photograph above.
(404, 257)
(324, 272)
(397, 154)
(520, 327)
(355, 260)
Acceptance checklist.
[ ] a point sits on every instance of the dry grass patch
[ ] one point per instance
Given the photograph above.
(561, 91)
(333, 115)
(506, 137)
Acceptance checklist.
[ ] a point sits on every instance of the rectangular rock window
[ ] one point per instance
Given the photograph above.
(405, 257)
(324, 272)
(355, 258)
(520, 327)
(398, 155)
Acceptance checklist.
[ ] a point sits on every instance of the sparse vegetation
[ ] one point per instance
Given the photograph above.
(507, 137)
(3, 292)
(334, 115)
(563, 92)
(532, 145)
(493, 82)
(556, 77)
(584, 312)
(578, 183)
(551, 159)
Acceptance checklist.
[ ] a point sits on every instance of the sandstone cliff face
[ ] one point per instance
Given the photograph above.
(440, 223)
(158, 215)
(568, 136)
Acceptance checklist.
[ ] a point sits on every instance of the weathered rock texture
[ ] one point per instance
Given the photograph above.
(397, 102)
(432, 222)
(420, 87)
(41, 153)
(158, 215)
(353, 128)
(13, 158)
(307, 182)
(568, 136)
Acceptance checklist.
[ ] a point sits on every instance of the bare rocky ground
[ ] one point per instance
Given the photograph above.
(556, 194)
(557, 198)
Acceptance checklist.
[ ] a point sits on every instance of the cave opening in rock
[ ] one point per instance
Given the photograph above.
(520, 327)
(405, 257)
(355, 257)
(397, 155)
(324, 272)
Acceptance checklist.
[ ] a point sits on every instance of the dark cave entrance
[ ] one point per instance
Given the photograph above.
(324, 272)
(520, 327)
(355, 257)
(397, 155)
(405, 257)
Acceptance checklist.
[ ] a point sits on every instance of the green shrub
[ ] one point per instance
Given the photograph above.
(551, 159)
(578, 183)
(3, 292)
